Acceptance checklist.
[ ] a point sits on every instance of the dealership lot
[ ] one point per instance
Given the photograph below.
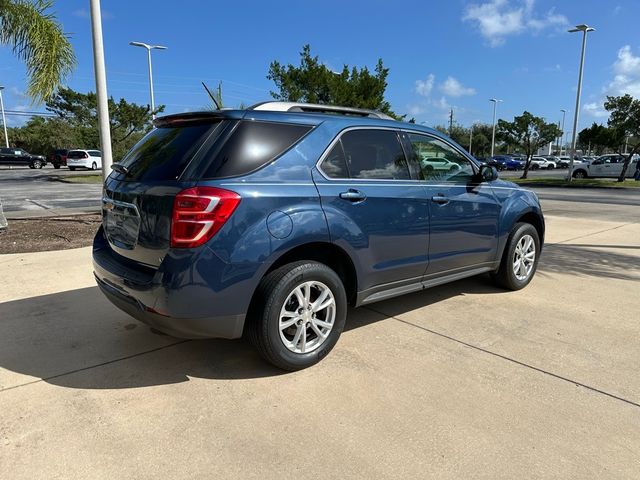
(461, 381)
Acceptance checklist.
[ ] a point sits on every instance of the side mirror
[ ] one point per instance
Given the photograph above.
(487, 173)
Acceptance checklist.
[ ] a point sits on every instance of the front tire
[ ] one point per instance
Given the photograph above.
(520, 258)
(297, 315)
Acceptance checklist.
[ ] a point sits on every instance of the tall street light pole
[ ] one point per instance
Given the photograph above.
(584, 29)
(149, 48)
(4, 120)
(493, 133)
(101, 88)
(564, 112)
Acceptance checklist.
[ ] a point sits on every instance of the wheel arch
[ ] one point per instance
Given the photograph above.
(327, 253)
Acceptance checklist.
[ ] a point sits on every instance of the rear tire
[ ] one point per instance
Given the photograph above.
(72, 168)
(56, 166)
(94, 166)
(579, 174)
(523, 244)
(297, 345)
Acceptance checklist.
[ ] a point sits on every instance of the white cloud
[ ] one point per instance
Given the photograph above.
(454, 88)
(595, 109)
(416, 109)
(627, 74)
(626, 80)
(497, 19)
(424, 87)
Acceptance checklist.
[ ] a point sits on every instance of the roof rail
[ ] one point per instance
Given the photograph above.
(316, 108)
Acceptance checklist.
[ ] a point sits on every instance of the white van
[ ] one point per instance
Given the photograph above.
(91, 159)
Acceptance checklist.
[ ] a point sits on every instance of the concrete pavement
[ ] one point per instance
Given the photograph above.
(460, 381)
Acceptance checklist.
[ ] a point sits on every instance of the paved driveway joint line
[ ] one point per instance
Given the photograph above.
(509, 359)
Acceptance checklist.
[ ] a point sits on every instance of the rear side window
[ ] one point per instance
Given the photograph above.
(94, 153)
(335, 164)
(252, 145)
(375, 154)
(164, 152)
(77, 154)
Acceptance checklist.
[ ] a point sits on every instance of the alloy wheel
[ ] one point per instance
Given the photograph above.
(524, 257)
(307, 317)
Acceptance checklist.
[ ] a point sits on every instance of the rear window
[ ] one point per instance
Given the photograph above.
(252, 145)
(164, 152)
(77, 154)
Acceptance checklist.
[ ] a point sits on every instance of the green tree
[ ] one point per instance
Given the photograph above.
(129, 121)
(313, 82)
(597, 137)
(37, 39)
(529, 133)
(624, 122)
(75, 124)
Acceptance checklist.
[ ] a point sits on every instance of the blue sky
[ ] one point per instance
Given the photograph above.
(440, 53)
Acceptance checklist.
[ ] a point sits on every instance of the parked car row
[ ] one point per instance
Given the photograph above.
(91, 159)
(609, 165)
(545, 162)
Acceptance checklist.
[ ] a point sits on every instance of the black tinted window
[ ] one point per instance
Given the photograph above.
(335, 165)
(252, 145)
(164, 152)
(77, 154)
(375, 154)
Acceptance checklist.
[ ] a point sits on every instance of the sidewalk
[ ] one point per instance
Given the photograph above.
(459, 381)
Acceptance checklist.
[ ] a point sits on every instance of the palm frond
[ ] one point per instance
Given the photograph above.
(38, 40)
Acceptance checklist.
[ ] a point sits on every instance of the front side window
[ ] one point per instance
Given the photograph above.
(439, 161)
(374, 154)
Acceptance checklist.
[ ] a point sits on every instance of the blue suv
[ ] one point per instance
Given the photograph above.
(268, 222)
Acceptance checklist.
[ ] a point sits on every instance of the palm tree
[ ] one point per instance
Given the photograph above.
(37, 39)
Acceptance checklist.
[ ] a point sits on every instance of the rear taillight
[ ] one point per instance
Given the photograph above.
(198, 214)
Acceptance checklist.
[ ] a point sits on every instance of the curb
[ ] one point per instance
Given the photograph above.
(594, 187)
(54, 212)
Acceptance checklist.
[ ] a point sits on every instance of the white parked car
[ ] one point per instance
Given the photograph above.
(91, 159)
(606, 166)
(439, 164)
(541, 162)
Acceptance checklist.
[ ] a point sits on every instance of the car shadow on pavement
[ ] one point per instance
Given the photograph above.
(591, 261)
(77, 339)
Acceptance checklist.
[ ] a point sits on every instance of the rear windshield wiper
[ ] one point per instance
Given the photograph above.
(120, 168)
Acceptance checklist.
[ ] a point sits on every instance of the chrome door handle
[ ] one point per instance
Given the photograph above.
(353, 195)
(440, 199)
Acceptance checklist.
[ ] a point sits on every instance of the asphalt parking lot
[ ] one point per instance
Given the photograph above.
(460, 381)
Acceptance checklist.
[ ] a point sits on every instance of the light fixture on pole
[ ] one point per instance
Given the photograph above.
(493, 134)
(564, 112)
(101, 88)
(149, 48)
(584, 29)
(4, 120)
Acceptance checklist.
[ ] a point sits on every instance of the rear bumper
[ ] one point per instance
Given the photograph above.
(179, 298)
(214, 327)
(79, 163)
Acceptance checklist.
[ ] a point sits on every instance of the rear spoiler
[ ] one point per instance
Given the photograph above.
(189, 118)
